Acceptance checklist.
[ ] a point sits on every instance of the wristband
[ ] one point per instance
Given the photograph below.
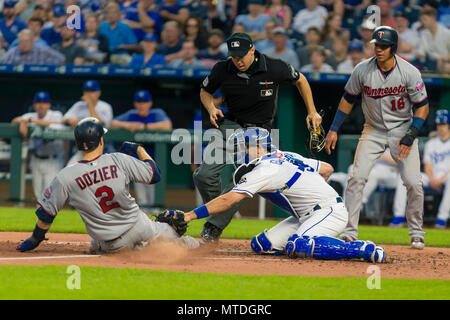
(201, 212)
(417, 122)
(339, 118)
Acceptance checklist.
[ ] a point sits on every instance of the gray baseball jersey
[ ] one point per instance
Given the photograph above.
(387, 104)
(99, 190)
(387, 101)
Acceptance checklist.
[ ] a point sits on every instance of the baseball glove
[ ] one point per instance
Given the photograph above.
(129, 148)
(174, 218)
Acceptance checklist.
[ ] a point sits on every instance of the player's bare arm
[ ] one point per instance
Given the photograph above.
(313, 119)
(161, 125)
(207, 100)
(343, 111)
(406, 142)
(215, 206)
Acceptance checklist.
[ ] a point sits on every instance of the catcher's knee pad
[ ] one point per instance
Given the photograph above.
(261, 244)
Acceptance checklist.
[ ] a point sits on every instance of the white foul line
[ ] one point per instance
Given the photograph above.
(50, 257)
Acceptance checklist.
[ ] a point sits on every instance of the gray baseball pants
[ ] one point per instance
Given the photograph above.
(371, 145)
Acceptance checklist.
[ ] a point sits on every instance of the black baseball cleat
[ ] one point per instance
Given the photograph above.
(210, 232)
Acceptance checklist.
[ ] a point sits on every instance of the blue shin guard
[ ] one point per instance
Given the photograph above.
(327, 248)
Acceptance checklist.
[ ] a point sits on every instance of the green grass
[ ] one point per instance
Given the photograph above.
(23, 219)
(109, 283)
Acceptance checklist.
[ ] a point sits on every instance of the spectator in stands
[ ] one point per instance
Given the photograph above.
(95, 44)
(143, 17)
(280, 50)
(143, 117)
(356, 53)
(90, 105)
(434, 41)
(366, 30)
(171, 41)
(386, 13)
(335, 6)
(212, 54)
(313, 15)
(317, 57)
(149, 58)
(3, 46)
(46, 156)
(194, 30)
(221, 15)
(35, 26)
(312, 41)
(27, 53)
(408, 38)
(340, 52)
(280, 12)
(355, 8)
(121, 38)
(171, 10)
(10, 24)
(255, 20)
(333, 30)
(73, 52)
(44, 11)
(25, 9)
(266, 43)
(188, 58)
(52, 34)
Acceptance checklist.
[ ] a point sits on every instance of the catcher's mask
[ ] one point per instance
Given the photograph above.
(242, 140)
(316, 137)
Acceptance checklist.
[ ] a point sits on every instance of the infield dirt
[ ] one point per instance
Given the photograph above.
(228, 256)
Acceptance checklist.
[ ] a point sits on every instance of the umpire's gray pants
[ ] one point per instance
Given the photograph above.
(371, 145)
(207, 178)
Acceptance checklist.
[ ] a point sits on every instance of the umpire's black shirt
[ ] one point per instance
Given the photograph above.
(251, 96)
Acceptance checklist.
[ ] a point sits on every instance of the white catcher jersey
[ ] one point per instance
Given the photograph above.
(288, 180)
(99, 190)
(437, 152)
(387, 101)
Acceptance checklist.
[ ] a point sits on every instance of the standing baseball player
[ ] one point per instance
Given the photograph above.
(436, 175)
(298, 186)
(249, 83)
(46, 157)
(395, 106)
(97, 186)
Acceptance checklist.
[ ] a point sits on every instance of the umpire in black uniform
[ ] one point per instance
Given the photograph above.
(249, 83)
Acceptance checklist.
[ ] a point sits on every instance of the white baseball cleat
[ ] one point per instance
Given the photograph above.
(417, 243)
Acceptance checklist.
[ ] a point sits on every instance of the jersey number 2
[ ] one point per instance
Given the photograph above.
(399, 104)
(107, 198)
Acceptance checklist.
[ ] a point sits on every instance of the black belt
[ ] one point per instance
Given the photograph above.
(266, 125)
(317, 207)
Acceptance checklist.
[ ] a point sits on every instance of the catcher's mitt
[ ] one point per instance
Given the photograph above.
(316, 138)
(174, 218)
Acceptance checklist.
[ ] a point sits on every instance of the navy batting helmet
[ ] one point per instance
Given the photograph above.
(442, 116)
(88, 133)
(386, 35)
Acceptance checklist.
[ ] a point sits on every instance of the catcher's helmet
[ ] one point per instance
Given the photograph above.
(239, 142)
(88, 133)
(386, 35)
(442, 116)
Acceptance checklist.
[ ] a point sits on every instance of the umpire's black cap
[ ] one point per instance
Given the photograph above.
(239, 44)
(88, 133)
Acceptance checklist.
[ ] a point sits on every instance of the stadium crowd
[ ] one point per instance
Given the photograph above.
(312, 35)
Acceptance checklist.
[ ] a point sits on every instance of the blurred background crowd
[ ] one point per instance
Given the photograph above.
(312, 35)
